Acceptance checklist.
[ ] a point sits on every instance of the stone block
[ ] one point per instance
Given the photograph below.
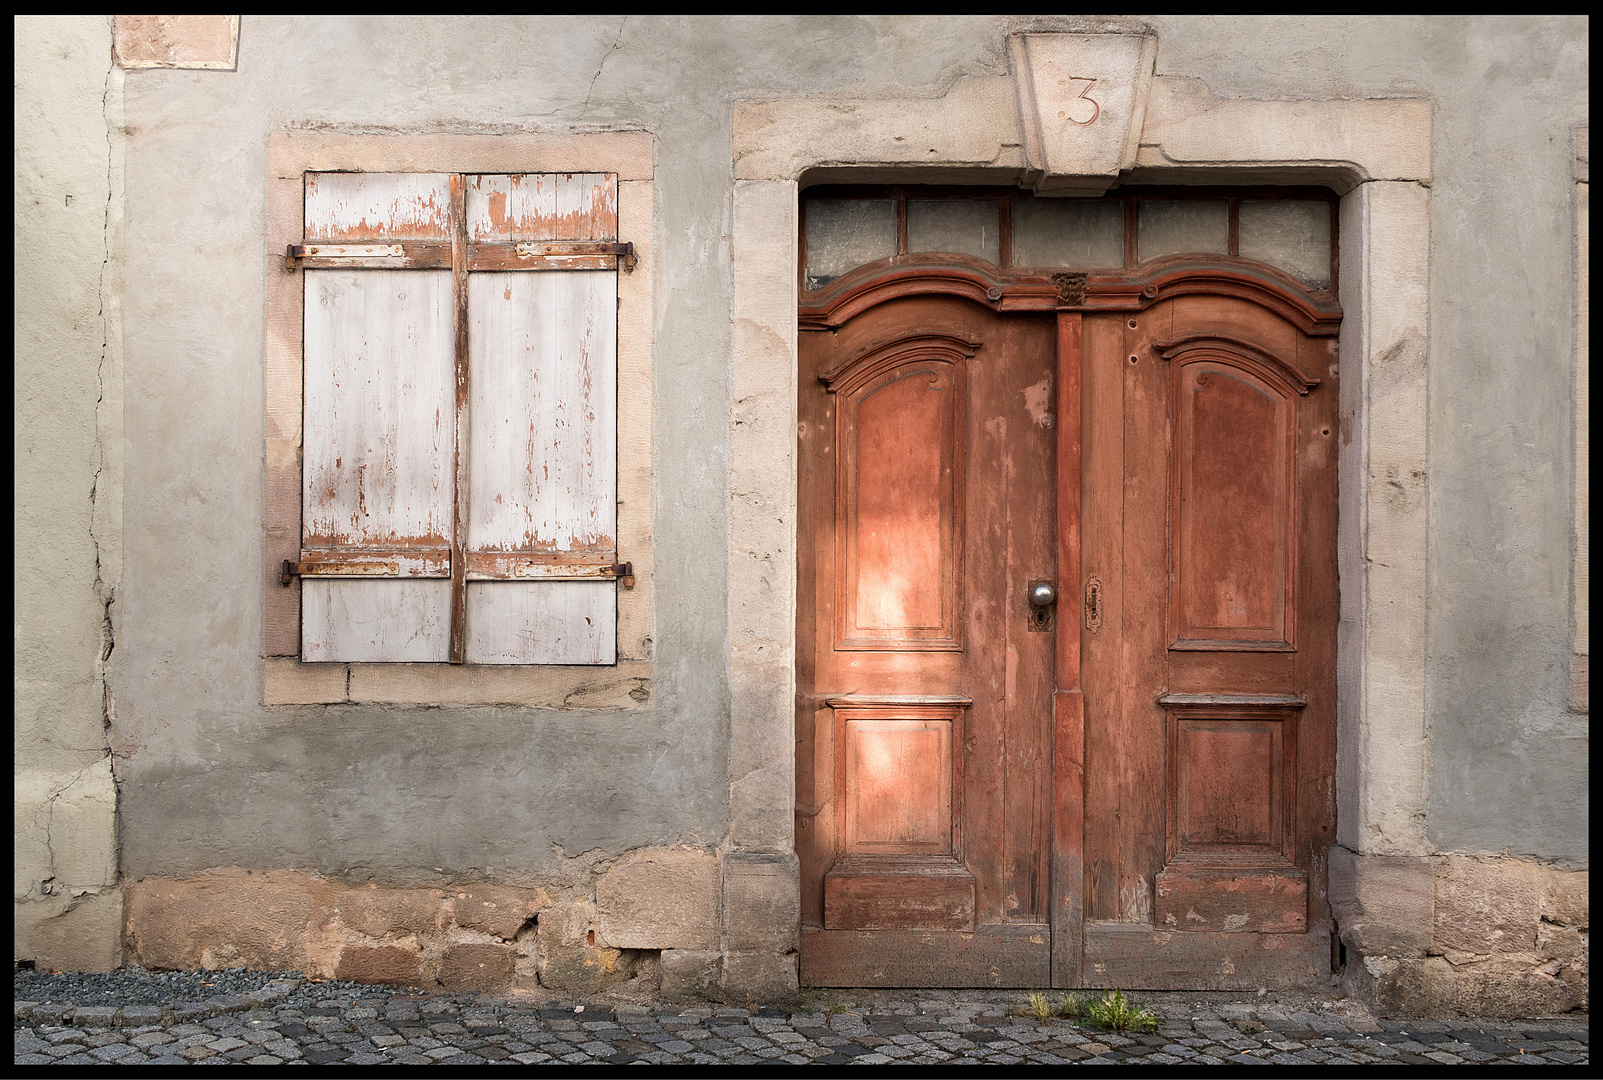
(689, 974)
(94, 1017)
(664, 898)
(476, 967)
(394, 964)
(287, 681)
(380, 913)
(70, 934)
(176, 41)
(1502, 989)
(1383, 904)
(1564, 895)
(762, 903)
(760, 977)
(64, 825)
(1566, 944)
(496, 910)
(140, 1016)
(232, 918)
(1485, 906)
(570, 959)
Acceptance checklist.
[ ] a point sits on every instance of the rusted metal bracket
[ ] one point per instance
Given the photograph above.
(413, 255)
(567, 249)
(623, 572)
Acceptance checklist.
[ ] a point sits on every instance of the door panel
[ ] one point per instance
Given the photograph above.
(927, 494)
(1209, 526)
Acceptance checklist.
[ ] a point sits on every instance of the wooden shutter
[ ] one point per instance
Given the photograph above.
(542, 435)
(460, 418)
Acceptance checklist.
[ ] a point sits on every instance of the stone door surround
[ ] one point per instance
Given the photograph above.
(1022, 128)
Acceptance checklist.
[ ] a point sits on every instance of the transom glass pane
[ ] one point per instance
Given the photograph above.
(1188, 226)
(843, 234)
(1289, 234)
(1067, 232)
(964, 226)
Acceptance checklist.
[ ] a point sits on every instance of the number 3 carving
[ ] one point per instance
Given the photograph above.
(1082, 110)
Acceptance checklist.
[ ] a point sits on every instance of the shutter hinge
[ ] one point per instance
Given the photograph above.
(558, 249)
(624, 572)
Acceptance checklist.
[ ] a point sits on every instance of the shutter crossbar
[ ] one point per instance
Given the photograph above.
(481, 566)
(436, 255)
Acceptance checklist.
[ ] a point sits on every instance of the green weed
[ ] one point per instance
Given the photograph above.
(1038, 1006)
(1113, 1012)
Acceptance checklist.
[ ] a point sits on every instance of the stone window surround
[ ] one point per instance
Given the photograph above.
(287, 680)
(1376, 153)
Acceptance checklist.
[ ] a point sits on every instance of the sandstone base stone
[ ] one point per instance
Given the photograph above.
(691, 974)
(570, 959)
(760, 977)
(1507, 936)
(762, 903)
(477, 967)
(232, 918)
(664, 898)
(379, 964)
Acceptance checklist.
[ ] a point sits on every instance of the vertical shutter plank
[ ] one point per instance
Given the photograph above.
(378, 407)
(543, 389)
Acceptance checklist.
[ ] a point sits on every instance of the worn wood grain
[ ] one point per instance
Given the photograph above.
(898, 893)
(358, 207)
(375, 621)
(969, 457)
(1209, 899)
(541, 622)
(1066, 909)
(530, 207)
(543, 401)
(996, 956)
(1137, 957)
(379, 409)
(1102, 558)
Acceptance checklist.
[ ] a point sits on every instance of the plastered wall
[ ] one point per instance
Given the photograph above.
(67, 471)
(420, 797)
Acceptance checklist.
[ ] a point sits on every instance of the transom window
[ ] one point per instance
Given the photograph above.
(1287, 228)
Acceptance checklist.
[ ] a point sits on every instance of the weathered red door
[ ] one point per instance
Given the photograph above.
(1130, 787)
(924, 725)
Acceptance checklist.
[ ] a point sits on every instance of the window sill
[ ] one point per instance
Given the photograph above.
(626, 686)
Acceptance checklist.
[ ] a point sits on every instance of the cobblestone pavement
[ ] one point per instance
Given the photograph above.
(277, 1025)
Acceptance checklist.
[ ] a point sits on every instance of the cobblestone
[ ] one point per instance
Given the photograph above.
(377, 1026)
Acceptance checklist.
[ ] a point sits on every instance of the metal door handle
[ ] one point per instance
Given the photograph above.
(1042, 594)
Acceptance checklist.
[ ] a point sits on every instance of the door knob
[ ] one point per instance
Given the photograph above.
(1042, 593)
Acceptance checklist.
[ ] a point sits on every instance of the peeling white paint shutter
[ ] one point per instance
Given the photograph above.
(537, 522)
(542, 438)
(380, 423)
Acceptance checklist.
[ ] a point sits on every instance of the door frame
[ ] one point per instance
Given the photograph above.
(1374, 153)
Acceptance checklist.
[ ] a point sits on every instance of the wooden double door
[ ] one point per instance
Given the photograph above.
(1066, 642)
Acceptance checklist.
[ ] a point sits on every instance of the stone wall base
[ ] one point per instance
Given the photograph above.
(1477, 935)
(651, 922)
(70, 933)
